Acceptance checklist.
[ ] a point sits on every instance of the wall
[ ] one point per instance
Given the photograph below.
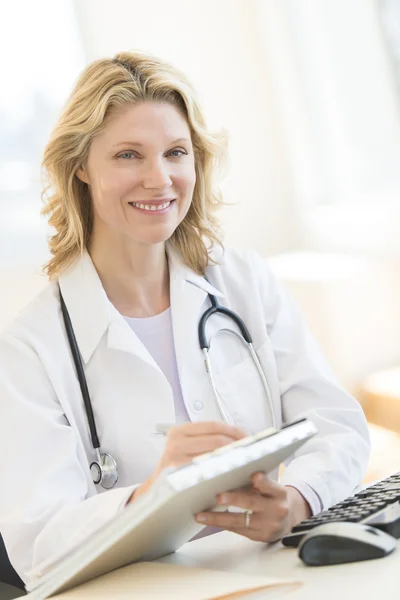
(230, 50)
(219, 45)
(351, 305)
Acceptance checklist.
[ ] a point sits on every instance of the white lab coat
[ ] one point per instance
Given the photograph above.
(48, 502)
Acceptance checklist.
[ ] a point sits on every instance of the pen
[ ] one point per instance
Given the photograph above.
(163, 428)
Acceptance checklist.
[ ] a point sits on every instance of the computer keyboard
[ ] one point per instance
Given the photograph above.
(378, 505)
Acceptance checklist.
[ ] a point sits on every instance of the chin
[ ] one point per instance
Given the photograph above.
(155, 237)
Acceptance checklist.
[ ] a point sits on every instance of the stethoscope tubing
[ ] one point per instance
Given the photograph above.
(245, 338)
(217, 308)
(104, 469)
(80, 373)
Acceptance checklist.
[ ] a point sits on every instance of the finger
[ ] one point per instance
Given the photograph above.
(195, 445)
(268, 487)
(208, 428)
(246, 500)
(227, 520)
(259, 529)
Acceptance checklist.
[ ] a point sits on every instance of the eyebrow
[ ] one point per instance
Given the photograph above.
(140, 144)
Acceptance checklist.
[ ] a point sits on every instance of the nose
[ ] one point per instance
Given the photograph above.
(156, 175)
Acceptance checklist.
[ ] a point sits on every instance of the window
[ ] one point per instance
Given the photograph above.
(340, 111)
(349, 95)
(40, 57)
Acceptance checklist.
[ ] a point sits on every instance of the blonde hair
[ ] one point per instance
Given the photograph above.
(105, 86)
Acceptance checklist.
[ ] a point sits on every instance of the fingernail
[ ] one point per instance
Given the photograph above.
(201, 518)
(223, 499)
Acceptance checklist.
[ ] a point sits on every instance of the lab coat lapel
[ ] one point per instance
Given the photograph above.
(93, 316)
(121, 337)
(189, 299)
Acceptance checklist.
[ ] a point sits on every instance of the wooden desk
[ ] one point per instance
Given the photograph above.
(367, 580)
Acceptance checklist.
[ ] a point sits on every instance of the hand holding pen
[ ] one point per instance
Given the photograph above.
(185, 442)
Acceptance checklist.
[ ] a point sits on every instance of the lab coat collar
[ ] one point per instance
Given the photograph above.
(179, 271)
(92, 314)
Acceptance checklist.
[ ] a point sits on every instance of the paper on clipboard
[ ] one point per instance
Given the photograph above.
(159, 581)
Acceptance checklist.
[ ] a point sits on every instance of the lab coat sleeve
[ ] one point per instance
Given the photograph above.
(44, 505)
(313, 500)
(334, 462)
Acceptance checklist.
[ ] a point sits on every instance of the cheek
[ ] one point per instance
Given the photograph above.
(186, 181)
(110, 187)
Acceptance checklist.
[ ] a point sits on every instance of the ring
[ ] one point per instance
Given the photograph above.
(247, 517)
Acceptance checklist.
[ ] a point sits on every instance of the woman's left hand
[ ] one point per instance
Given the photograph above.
(275, 509)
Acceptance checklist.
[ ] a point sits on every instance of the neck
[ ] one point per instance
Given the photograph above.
(135, 277)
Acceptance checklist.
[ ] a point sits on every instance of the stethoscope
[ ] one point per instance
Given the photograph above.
(104, 469)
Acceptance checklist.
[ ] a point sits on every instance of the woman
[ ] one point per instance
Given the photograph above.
(135, 255)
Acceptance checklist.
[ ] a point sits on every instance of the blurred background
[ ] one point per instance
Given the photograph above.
(309, 91)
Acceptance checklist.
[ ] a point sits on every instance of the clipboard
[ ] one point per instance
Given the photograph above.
(162, 520)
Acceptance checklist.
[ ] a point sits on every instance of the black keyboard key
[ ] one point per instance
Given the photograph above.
(364, 506)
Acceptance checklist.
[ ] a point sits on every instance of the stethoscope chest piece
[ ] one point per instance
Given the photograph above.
(104, 471)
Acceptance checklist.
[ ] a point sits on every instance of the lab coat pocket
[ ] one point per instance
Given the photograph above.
(242, 391)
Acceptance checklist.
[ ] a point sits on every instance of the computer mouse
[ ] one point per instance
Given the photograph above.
(336, 543)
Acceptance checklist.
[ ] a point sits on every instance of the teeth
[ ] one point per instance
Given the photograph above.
(152, 207)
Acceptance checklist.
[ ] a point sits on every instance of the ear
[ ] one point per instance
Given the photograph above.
(83, 175)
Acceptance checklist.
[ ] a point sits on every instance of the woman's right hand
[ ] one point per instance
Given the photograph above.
(185, 442)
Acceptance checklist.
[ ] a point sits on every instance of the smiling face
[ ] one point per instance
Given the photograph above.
(141, 174)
